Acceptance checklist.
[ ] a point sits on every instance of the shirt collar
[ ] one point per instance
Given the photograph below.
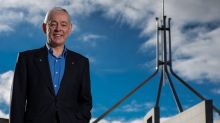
(50, 50)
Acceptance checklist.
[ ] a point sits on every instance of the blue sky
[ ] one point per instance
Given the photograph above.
(118, 37)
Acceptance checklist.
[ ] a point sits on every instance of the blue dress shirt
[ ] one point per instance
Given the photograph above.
(57, 67)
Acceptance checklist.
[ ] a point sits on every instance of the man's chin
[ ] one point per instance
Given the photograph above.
(57, 44)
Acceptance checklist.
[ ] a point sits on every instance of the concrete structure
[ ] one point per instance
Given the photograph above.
(217, 121)
(200, 113)
(152, 116)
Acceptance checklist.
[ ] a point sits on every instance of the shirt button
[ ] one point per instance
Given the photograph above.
(55, 86)
(56, 60)
(56, 72)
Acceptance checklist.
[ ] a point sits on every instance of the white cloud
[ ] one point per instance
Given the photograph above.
(112, 70)
(13, 12)
(216, 117)
(9, 19)
(216, 91)
(138, 120)
(3, 115)
(134, 106)
(128, 11)
(91, 39)
(132, 12)
(91, 59)
(197, 10)
(164, 119)
(5, 28)
(203, 58)
(5, 86)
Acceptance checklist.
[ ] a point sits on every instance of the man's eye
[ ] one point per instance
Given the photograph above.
(64, 25)
(53, 25)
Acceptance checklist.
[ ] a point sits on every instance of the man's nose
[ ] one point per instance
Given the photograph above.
(58, 27)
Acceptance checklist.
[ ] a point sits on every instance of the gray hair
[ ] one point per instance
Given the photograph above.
(47, 17)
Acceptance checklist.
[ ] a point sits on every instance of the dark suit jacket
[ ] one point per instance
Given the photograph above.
(33, 99)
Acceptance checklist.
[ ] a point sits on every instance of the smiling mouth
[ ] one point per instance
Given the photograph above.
(57, 35)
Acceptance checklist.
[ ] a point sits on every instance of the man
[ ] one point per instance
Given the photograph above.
(52, 84)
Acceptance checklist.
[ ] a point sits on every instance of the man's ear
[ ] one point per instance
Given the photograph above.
(71, 28)
(44, 28)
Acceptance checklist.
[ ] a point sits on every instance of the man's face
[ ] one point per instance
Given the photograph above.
(58, 28)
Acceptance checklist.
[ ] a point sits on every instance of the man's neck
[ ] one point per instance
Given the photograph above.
(57, 50)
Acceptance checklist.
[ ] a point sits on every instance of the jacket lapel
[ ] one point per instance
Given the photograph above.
(70, 63)
(41, 60)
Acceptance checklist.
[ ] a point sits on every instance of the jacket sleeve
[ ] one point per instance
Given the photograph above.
(18, 92)
(85, 99)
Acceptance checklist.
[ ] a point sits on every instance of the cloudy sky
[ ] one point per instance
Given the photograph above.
(119, 39)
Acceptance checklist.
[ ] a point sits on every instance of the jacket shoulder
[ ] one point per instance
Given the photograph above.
(31, 52)
(77, 55)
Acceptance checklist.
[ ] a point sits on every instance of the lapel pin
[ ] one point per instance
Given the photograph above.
(72, 63)
(40, 60)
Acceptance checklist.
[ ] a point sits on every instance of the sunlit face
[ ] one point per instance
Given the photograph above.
(58, 28)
